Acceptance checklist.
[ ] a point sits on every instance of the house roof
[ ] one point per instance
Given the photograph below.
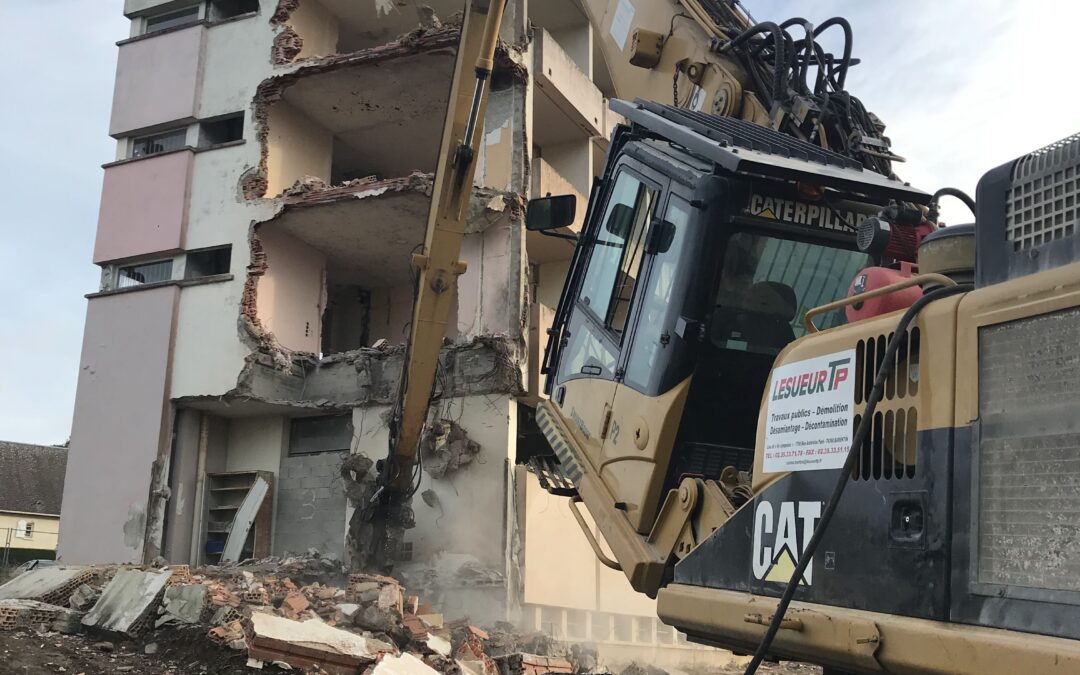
(31, 477)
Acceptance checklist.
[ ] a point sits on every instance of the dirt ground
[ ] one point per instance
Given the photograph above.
(180, 651)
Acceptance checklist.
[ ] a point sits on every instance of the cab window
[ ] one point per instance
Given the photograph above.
(608, 286)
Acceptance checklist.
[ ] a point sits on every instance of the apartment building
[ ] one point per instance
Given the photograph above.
(272, 179)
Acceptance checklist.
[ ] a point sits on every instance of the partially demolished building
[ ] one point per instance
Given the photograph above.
(272, 178)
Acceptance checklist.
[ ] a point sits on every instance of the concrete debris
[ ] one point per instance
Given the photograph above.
(636, 668)
(52, 585)
(403, 664)
(34, 614)
(182, 604)
(439, 645)
(84, 597)
(532, 664)
(311, 643)
(127, 601)
(300, 613)
(446, 447)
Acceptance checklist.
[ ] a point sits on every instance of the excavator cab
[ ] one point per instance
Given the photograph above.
(706, 241)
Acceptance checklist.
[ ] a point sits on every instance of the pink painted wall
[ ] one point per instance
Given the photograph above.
(292, 293)
(144, 206)
(157, 80)
(120, 409)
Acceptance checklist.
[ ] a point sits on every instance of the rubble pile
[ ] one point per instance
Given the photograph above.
(303, 613)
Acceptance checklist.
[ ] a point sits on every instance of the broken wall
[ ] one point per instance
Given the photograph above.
(463, 545)
(316, 28)
(297, 146)
(292, 292)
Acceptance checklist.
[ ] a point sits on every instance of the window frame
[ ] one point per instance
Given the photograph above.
(693, 228)
(120, 267)
(661, 186)
(199, 16)
(135, 140)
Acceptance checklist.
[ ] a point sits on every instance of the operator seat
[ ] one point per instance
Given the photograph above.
(760, 317)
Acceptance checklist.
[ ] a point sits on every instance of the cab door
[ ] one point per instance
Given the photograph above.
(656, 360)
(589, 363)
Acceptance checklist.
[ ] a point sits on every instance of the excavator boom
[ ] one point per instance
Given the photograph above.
(437, 268)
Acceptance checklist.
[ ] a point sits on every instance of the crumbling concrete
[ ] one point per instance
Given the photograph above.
(37, 615)
(52, 585)
(367, 377)
(446, 448)
(182, 604)
(312, 644)
(126, 604)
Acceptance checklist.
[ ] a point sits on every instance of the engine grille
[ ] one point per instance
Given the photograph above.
(889, 451)
(1029, 452)
(1042, 203)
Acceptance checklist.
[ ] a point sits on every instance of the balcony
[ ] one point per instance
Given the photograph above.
(569, 107)
(157, 80)
(350, 118)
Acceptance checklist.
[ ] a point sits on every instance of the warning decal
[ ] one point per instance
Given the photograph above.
(809, 414)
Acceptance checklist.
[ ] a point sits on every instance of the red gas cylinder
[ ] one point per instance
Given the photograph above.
(873, 278)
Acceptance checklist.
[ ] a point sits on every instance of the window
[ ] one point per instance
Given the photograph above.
(767, 286)
(168, 141)
(608, 286)
(643, 630)
(208, 262)
(227, 9)
(656, 311)
(222, 130)
(144, 273)
(24, 529)
(575, 624)
(601, 626)
(183, 17)
(551, 621)
(665, 634)
(624, 628)
(310, 435)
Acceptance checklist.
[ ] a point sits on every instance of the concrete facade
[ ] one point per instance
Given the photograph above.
(286, 204)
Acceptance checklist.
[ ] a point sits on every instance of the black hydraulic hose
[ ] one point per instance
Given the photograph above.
(844, 478)
(843, 23)
(808, 28)
(951, 192)
(778, 43)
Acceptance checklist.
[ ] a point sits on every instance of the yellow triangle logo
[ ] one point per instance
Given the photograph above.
(783, 568)
(767, 213)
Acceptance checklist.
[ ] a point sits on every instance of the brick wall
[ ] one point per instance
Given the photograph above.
(311, 505)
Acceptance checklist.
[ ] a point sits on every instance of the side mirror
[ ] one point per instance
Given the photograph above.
(661, 236)
(620, 221)
(550, 213)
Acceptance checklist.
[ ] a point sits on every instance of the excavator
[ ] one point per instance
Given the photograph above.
(807, 418)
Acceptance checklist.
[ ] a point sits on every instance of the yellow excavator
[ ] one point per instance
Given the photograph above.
(809, 420)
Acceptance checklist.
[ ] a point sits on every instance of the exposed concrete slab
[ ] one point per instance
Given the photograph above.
(127, 601)
(369, 377)
(306, 644)
(48, 584)
(367, 227)
(182, 604)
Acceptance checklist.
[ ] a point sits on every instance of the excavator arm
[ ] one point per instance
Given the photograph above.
(438, 266)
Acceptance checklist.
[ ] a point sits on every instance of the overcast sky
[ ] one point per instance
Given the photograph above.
(963, 86)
